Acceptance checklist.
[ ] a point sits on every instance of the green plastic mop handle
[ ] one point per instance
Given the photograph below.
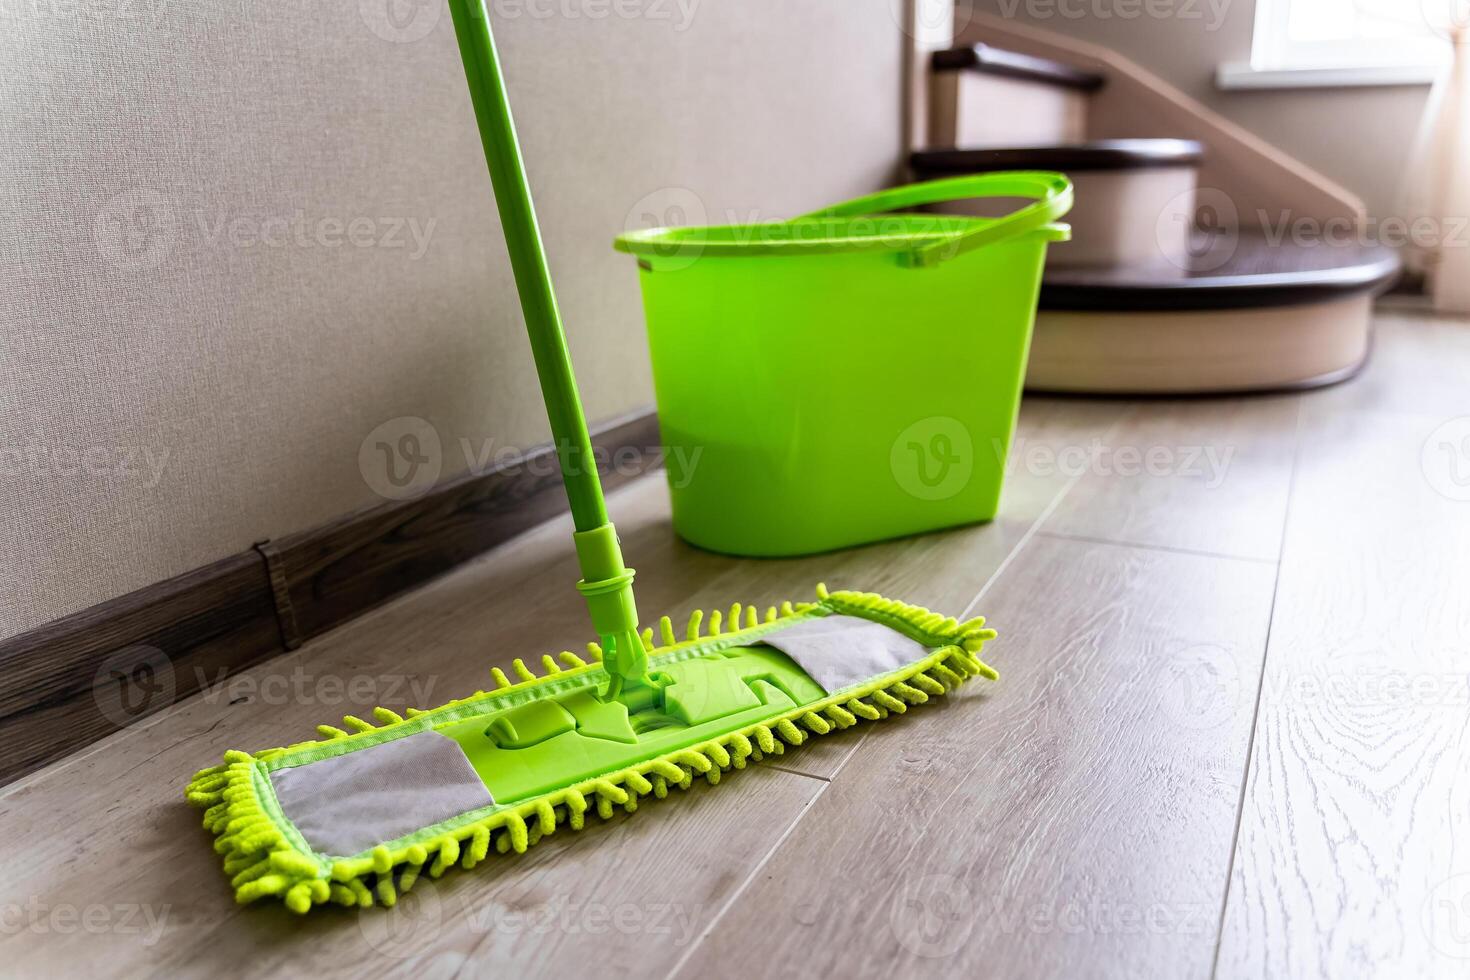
(528, 261)
(1051, 194)
(607, 584)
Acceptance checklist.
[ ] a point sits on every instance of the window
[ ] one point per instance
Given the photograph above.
(1347, 42)
(1349, 33)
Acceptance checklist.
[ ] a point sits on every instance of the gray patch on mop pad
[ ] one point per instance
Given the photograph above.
(352, 802)
(840, 651)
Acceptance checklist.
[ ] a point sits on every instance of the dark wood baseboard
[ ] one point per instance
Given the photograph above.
(71, 682)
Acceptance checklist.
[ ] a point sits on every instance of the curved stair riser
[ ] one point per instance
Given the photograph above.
(1200, 351)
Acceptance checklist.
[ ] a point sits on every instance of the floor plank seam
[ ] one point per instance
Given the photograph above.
(1250, 749)
(1165, 549)
(1383, 411)
(1033, 531)
(969, 609)
(797, 772)
(756, 871)
(1041, 519)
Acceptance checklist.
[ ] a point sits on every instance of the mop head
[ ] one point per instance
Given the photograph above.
(358, 816)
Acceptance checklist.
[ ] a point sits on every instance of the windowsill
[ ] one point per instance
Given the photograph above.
(1241, 76)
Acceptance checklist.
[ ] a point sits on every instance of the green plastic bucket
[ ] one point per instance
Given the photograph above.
(848, 376)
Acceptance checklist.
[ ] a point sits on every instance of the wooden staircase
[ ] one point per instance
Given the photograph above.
(1173, 284)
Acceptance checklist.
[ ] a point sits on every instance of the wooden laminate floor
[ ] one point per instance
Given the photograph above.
(1231, 737)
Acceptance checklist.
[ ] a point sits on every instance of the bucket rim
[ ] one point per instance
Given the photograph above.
(885, 220)
(843, 236)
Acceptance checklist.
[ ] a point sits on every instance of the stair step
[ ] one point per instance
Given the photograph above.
(1120, 154)
(990, 60)
(1135, 199)
(987, 95)
(1228, 271)
(1247, 316)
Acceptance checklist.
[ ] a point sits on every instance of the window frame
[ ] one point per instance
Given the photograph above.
(1277, 62)
(1272, 48)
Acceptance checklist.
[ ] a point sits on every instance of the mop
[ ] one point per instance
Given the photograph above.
(358, 815)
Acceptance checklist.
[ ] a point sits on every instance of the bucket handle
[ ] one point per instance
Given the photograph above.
(1052, 193)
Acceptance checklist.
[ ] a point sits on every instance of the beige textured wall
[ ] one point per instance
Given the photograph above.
(1359, 137)
(241, 236)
